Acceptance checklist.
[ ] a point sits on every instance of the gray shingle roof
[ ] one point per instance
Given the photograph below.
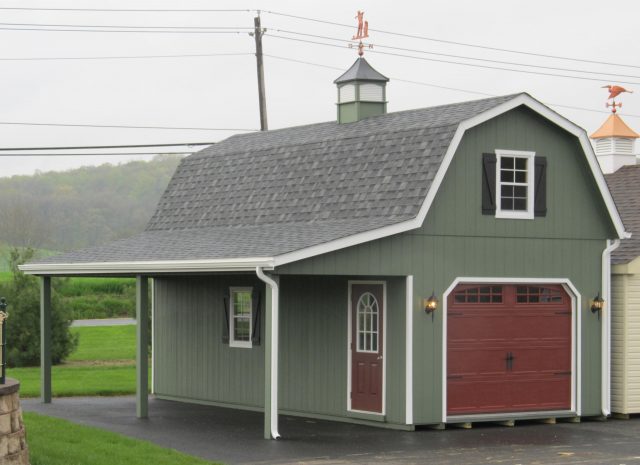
(624, 185)
(268, 193)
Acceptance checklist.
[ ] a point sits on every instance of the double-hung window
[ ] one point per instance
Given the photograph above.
(240, 316)
(514, 184)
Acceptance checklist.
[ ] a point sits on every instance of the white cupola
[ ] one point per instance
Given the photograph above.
(614, 144)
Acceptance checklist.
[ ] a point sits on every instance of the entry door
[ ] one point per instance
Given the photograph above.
(367, 314)
(509, 349)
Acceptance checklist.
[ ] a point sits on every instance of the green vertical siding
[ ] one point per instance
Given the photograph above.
(456, 240)
(191, 362)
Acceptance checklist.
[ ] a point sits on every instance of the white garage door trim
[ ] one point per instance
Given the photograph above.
(576, 343)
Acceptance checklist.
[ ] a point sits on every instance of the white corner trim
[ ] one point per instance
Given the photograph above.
(273, 421)
(522, 99)
(409, 351)
(576, 343)
(153, 336)
(145, 267)
(606, 326)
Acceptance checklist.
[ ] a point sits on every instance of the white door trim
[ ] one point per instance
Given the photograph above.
(384, 346)
(576, 325)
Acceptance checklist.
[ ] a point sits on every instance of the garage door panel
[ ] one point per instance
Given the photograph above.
(511, 355)
(473, 362)
(486, 395)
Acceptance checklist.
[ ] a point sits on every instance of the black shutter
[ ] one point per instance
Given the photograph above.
(255, 334)
(540, 187)
(488, 183)
(225, 320)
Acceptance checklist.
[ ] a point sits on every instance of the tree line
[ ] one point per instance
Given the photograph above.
(62, 211)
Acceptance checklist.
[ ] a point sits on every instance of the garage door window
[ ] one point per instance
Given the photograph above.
(479, 295)
(537, 295)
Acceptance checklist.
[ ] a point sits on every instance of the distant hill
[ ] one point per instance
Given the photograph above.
(82, 207)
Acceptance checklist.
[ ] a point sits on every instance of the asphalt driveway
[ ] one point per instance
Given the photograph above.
(235, 437)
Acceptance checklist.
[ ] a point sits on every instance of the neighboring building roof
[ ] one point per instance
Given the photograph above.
(361, 70)
(287, 194)
(624, 185)
(614, 126)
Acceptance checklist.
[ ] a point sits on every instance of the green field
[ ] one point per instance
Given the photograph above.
(102, 365)
(105, 343)
(59, 442)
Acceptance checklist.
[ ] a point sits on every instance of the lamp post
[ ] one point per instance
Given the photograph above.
(3, 337)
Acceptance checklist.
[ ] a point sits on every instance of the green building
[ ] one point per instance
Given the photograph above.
(422, 267)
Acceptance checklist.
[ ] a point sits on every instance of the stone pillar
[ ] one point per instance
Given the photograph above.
(13, 443)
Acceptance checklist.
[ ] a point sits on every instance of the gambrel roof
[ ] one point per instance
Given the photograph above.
(269, 198)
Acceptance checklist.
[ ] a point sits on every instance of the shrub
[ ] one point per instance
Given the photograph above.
(23, 325)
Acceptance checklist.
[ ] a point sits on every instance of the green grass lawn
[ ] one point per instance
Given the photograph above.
(59, 442)
(105, 343)
(102, 365)
(95, 380)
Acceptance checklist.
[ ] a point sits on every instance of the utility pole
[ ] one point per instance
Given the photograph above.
(257, 33)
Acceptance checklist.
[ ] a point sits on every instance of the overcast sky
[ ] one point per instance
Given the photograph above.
(221, 92)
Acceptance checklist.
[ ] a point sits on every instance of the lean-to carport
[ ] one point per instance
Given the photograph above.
(47, 272)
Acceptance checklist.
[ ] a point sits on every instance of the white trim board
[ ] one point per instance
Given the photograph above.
(576, 342)
(237, 264)
(384, 346)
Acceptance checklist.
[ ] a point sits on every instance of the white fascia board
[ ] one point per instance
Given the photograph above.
(148, 267)
(522, 99)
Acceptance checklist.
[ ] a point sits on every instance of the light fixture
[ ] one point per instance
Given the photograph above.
(430, 304)
(597, 304)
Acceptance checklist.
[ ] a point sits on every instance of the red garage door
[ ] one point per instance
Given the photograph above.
(508, 349)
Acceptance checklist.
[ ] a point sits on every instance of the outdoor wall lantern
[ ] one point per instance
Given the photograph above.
(430, 304)
(597, 304)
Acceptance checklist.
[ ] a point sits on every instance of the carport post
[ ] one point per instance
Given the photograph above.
(142, 346)
(45, 339)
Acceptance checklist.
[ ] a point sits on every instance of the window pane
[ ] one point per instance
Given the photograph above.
(361, 341)
(521, 176)
(507, 191)
(506, 176)
(520, 191)
(374, 342)
(506, 204)
(521, 163)
(506, 162)
(496, 299)
(242, 303)
(485, 290)
(375, 323)
(520, 204)
(241, 329)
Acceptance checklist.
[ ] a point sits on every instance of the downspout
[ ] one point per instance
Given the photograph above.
(606, 326)
(274, 350)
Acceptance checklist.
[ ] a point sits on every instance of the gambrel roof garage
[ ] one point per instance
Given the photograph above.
(292, 268)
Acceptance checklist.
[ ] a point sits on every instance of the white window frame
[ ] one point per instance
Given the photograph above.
(511, 214)
(232, 342)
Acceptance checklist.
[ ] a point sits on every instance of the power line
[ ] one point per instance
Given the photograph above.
(457, 89)
(139, 10)
(111, 26)
(96, 147)
(131, 31)
(451, 42)
(515, 63)
(128, 57)
(428, 84)
(401, 55)
(122, 126)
